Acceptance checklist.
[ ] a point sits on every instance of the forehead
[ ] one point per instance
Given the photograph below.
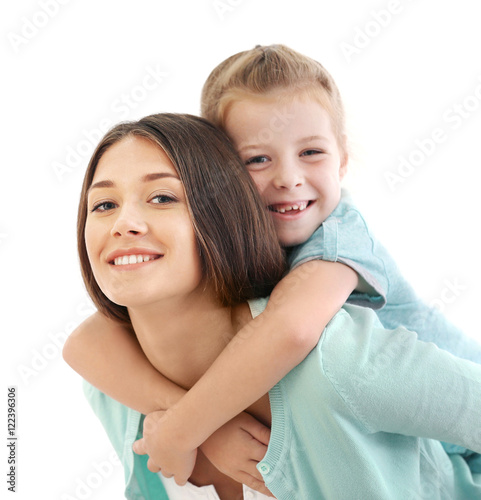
(263, 117)
(132, 157)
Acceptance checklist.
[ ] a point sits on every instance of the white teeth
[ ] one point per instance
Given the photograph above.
(300, 206)
(132, 259)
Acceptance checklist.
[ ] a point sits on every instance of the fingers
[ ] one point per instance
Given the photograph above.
(151, 466)
(254, 483)
(252, 471)
(258, 452)
(253, 449)
(139, 447)
(154, 468)
(150, 421)
(180, 481)
(263, 435)
(257, 430)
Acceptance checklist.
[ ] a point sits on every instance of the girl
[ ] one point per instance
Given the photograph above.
(285, 116)
(154, 252)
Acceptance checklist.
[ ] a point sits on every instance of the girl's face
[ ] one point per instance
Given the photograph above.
(139, 235)
(293, 157)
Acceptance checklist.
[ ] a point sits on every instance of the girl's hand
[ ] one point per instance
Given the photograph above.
(163, 450)
(237, 447)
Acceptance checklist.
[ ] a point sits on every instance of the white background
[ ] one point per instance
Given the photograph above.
(402, 67)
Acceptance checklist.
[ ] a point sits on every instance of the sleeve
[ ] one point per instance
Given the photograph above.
(123, 426)
(344, 237)
(115, 418)
(392, 382)
(431, 326)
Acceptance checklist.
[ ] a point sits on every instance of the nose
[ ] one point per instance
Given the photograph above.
(129, 222)
(288, 175)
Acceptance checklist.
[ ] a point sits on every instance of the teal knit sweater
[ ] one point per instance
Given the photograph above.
(359, 419)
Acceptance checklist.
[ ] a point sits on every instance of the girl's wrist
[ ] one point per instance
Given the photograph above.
(181, 426)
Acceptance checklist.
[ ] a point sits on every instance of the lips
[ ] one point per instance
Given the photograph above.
(123, 257)
(134, 259)
(292, 207)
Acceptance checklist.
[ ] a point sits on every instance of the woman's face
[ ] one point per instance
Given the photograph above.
(139, 235)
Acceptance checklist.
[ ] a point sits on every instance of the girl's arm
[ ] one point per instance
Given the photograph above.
(261, 353)
(109, 357)
(266, 349)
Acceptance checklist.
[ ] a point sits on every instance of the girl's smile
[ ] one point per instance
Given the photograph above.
(297, 167)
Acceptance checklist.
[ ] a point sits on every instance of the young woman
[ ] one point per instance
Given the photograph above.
(164, 249)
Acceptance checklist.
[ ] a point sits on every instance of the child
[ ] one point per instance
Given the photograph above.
(285, 116)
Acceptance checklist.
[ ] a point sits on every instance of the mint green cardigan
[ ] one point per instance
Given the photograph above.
(359, 419)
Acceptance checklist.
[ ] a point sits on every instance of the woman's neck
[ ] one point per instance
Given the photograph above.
(183, 339)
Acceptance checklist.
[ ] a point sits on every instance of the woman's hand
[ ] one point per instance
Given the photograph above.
(237, 447)
(165, 454)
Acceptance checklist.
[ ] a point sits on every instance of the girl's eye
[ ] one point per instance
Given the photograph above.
(256, 160)
(103, 206)
(311, 152)
(162, 199)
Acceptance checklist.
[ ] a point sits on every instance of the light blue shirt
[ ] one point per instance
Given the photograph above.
(345, 237)
(346, 420)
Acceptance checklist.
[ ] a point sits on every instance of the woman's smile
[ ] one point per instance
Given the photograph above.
(131, 258)
(134, 259)
(139, 233)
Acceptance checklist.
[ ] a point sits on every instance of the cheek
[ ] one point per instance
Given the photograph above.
(93, 244)
(261, 181)
(184, 242)
(92, 237)
(326, 182)
(195, 259)
(89, 241)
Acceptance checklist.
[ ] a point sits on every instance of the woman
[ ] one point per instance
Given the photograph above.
(163, 247)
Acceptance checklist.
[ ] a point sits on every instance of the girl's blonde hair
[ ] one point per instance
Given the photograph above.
(273, 70)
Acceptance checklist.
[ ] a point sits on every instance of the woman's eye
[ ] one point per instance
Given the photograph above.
(161, 199)
(104, 206)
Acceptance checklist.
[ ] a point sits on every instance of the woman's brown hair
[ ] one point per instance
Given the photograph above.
(240, 254)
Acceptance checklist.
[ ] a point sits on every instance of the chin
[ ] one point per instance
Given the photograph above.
(291, 242)
(292, 238)
(121, 299)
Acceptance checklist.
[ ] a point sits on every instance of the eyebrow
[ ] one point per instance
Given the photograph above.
(312, 138)
(303, 139)
(146, 178)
